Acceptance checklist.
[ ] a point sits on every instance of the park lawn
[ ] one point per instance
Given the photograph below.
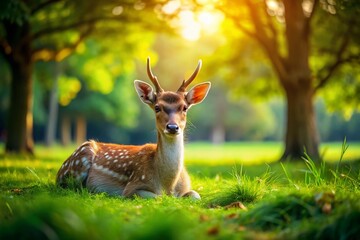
(279, 200)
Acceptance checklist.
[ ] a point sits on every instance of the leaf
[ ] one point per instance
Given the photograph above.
(239, 205)
(325, 201)
(204, 218)
(213, 231)
(17, 191)
(232, 216)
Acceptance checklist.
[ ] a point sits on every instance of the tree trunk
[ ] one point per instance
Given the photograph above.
(80, 130)
(218, 134)
(301, 129)
(65, 131)
(53, 108)
(20, 118)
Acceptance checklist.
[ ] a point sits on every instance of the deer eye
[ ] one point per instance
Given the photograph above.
(157, 108)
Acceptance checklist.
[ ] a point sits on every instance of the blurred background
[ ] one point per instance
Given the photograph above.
(67, 68)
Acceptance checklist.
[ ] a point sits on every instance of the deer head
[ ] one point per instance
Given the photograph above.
(171, 107)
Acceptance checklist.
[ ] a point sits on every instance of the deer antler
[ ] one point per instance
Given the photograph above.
(191, 78)
(153, 78)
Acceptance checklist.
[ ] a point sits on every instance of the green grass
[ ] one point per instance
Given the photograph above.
(250, 153)
(288, 200)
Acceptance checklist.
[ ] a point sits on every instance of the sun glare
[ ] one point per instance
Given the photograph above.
(192, 25)
(171, 7)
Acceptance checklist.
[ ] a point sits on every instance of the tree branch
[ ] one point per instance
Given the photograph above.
(269, 43)
(235, 20)
(314, 8)
(42, 5)
(339, 60)
(244, 29)
(62, 28)
(269, 22)
(47, 54)
(309, 18)
(332, 69)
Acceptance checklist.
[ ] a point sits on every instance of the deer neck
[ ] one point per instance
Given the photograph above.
(169, 156)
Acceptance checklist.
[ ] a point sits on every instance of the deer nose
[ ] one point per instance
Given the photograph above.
(172, 128)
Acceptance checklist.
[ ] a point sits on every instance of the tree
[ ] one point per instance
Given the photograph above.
(286, 31)
(45, 30)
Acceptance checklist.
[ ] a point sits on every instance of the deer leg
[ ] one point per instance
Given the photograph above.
(141, 191)
(192, 194)
(183, 187)
(145, 194)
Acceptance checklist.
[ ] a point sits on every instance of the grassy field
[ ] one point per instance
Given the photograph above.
(246, 194)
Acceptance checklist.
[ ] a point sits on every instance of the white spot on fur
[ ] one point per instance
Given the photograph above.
(85, 162)
(115, 161)
(142, 177)
(111, 173)
(92, 151)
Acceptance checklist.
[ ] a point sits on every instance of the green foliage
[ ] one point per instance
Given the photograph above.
(239, 119)
(14, 11)
(346, 102)
(68, 89)
(119, 106)
(106, 77)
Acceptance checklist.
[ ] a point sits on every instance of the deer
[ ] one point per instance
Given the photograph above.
(145, 171)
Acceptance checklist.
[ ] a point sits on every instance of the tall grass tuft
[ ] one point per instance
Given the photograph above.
(314, 175)
(244, 189)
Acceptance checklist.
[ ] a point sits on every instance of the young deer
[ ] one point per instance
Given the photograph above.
(147, 170)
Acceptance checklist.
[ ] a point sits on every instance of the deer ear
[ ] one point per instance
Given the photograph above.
(145, 92)
(198, 93)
